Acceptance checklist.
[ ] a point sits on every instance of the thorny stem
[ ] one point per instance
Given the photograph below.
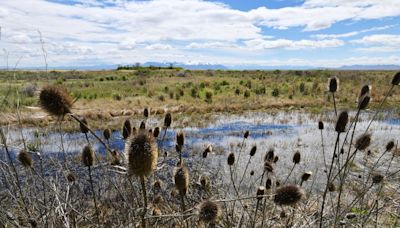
(143, 183)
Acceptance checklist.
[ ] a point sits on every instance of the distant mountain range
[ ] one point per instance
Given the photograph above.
(205, 66)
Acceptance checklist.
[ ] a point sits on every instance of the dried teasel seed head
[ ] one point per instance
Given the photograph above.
(157, 211)
(363, 142)
(141, 151)
(204, 181)
(253, 150)
(269, 156)
(208, 148)
(167, 120)
(246, 134)
(107, 133)
(332, 187)
(158, 199)
(306, 176)
(209, 212)
(156, 132)
(71, 177)
(251, 172)
(296, 158)
(333, 84)
(142, 125)
(268, 166)
(288, 195)
(321, 125)
(276, 158)
(157, 185)
(363, 102)
(181, 179)
(260, 192)
(342, 121)
(268, 184)
(390, 145)
(83, 125)
(180, 138)
(396, 79)
(25, 158)
(146, 112)
(351, 215)
(88, 156)
(126, 129)
(377, 178)
(55, 100)
(231, 159)
(365, 90)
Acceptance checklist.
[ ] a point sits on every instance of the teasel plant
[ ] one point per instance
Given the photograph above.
(296, 160)
(246, 135)
(333, 85)
(252, 153)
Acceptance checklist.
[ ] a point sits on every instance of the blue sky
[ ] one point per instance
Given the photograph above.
(315, 33)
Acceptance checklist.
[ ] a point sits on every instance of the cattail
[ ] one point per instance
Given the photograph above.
(320, 125)
(269, 156)
(363, 102)
(333, 84)
(209, 212)
(296, 158)
(268, 184)
(126, 129)
(342, 121)
(363, 142)
(306, 176)
(288, 195)
(167, 120)
(146, 112)
(142, 125)
(260, 192)
(180, 138)
(55, 100)
(142, 154)
(71, 177)
(377, 178)
(253, 150)
(107, 133)
(156, 132)
(181, 178)
(390, 146)
(25, 158)
(396, 79)
(364, 90)
(87, 155)
(83, 125)
(231, 159)
(268, 167)
(246, 134)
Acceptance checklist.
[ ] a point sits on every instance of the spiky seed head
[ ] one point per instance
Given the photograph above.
(181, 179)
(333, 84)
(142, 154)
(363, 102)
(321, 125)
(377, 178)
(71, 177)
(156, 132)
(396, 79)
(204, 181)
(55, 100)
(306, 176)
(208, 148)
(332, 187)
(390, 145)
(276, 158)
(365, 90)
(253, 150)
(167, 120)
(363, 142)
(126, 129)
(107, 133)
(288, 195)
(246, 134)
(142, 125)
(260, 192)
(351, 215)
(251, 172)
(231, 159)
(268, 166)
(158, 199)
(25, 158)
(83, 125)
(269, 156)
(87, 155)
(146, 112)
(157, 185)
(342, 121)
(296, 157)
(268, 184)
(209, 211)
(180, 138)
(157, 211)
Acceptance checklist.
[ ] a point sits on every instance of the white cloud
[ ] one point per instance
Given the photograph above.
(380, 39)
(354, 33)
(214, 45)
(159, 46)
(293, 44)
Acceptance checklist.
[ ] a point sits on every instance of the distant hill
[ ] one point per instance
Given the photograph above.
(370, 67)
(188, 66)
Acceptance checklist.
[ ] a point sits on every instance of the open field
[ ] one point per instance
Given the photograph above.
(172, 148)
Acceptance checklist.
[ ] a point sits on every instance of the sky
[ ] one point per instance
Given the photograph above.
(315, 33)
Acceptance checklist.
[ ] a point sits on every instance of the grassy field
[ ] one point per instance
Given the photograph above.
(107, 95)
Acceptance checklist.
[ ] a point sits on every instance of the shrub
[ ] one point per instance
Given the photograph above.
(275, 92)
(246, 94)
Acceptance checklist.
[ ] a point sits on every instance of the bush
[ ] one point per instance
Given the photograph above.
(209, 97)
(246, 94)
(29, 90)
(275, 92)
